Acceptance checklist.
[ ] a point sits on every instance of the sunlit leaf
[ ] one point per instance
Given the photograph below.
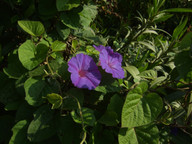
(34, 28)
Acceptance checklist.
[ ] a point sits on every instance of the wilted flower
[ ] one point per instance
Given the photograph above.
(110, 61)
(84, 72)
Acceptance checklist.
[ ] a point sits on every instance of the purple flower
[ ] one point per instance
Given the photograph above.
(84, 72)
(101, 47)
(110, 61)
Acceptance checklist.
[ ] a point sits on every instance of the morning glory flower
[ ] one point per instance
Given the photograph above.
(110, 61)
(84, 72)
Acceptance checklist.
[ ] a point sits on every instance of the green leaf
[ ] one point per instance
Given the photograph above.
(87, 15)
(87, 33)
(42, 126)
(60, 67)
(113, 113)
(34, 28)
(141, 88)
(14, 68)
(140, 109)
(31, 55)
(91, 50)
(149, 45)
(63, 5)
(69, 102)
(25, 111)
(35, 90)
(115, 104)
(63, 31)
(140, 135)
(109, 118)
(186, 42)
(162, 17)
(12, 105)
(39, 71)
(65, 129)
(158, 80)
(134, 72)
(47, 9)
(55, 99)
(58, 46)
(148, 74)
(19, 133)
(178, 10)
(87, 114)
(71, 19)
(78, 18)
(178, 30)
(189, 111)
(183, 63)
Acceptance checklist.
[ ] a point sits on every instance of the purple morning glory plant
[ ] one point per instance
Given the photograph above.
(110, 61)
(84, 72)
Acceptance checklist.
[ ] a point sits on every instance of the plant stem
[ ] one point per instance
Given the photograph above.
(47, 60)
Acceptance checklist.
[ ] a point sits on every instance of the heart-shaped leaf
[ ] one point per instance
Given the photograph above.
(34, 28)
(140, 109)
(31, 55)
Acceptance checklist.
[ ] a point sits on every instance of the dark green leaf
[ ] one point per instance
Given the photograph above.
(6, 123)
(35, 90)
(19, 133)
(14, 68)
(110, 118)
(42, 127)
(66, 129)
(183, 63)
(87, 114)
(63, 31)
(63, 5)
(186, 42)
(8, 92)
(47, 9)
(178, 30)
(24, 112)
(39, 71)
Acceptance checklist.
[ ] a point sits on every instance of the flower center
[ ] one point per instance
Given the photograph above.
(82, 73)
(110, 65)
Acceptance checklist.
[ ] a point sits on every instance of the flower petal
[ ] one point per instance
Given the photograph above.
(84, 72)
(111, 63)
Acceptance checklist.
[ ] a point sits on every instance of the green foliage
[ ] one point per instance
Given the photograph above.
(39, 103)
